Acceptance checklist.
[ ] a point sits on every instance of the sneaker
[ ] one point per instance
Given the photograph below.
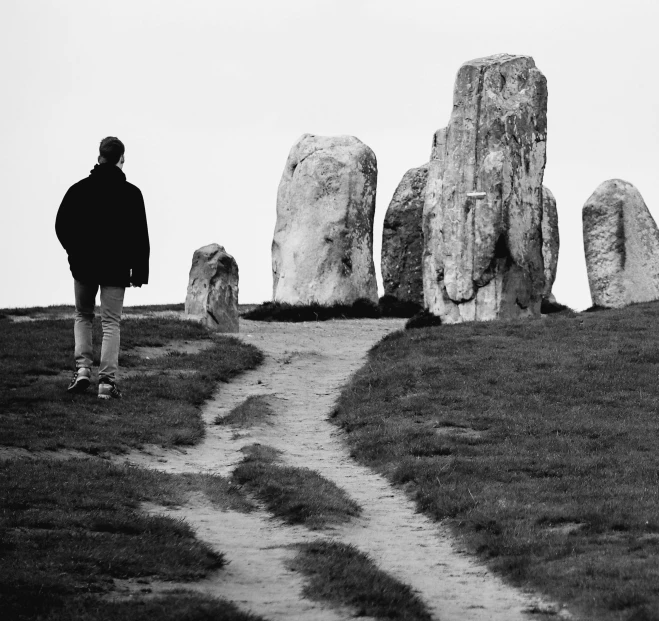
(80, 381)
(107, 389)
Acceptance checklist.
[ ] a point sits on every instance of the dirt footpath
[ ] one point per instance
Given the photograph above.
(306, 365)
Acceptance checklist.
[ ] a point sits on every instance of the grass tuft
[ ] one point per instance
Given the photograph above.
(547, 307)
(281, 311)
(340, 574)
(423, 319)
(391, 306)
(252, 411)
(596, 308)
(260, 452)
(297, 495)
(388, 306)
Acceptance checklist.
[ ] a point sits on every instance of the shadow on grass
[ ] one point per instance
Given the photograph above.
(297, 495)
(563, 429)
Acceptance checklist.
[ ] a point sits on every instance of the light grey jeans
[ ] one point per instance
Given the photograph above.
(112, 303)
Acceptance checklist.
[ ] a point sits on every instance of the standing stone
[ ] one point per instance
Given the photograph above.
(550, 241)
(483, 208)
(432, 259)
(212, 295)
(322, 251)
(402, 238)
(621, 242)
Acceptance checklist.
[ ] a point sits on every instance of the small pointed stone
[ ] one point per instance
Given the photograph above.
(212, 296)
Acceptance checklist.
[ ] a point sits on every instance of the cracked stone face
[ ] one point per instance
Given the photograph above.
(482, 218)
(621, 243)
(322, 250)
(212, 296)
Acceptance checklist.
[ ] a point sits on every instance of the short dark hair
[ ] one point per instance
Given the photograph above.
(111, 149)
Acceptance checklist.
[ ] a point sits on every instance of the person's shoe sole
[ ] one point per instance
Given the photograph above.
(81, 385)
(108, 393)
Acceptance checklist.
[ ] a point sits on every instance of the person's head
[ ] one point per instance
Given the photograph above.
(111, 151)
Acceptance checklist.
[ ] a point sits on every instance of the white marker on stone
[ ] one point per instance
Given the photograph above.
(477, 195)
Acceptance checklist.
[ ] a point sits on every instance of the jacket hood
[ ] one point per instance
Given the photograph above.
(109, 172)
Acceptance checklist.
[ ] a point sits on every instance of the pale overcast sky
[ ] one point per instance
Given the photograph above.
(209, 96)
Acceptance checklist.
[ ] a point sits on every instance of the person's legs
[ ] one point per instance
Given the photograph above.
(85, 296)
(112, 303)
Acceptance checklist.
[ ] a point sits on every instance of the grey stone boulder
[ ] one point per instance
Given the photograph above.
(212, 296)
(322, 249)
(621, 243)
(483, 209)
(402, 238)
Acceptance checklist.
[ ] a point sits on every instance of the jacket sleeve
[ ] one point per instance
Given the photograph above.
(63, 221)
(141, 246)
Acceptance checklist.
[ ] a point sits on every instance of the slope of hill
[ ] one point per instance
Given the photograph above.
(537, 441)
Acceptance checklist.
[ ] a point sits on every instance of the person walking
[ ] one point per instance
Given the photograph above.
(101, 224)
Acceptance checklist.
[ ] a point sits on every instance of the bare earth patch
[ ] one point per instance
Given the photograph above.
(305, 366)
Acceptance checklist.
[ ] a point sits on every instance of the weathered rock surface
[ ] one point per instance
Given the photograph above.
(322, 250)
(621, 242)
(550, 240)
(402, 238)
(432, 268)
(483, 208)
(212, 296)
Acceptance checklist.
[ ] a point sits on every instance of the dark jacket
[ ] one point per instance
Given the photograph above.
(102, 225)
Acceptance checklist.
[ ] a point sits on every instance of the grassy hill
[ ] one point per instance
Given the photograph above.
(70, 527)
(537, 441)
